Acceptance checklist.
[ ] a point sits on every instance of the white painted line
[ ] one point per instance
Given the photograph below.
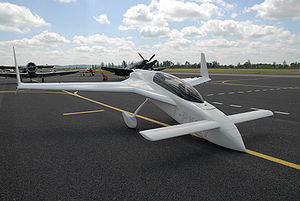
(273, 89)
(284, 88)
(209, 94)
(249, 91)
(240, 92)
(218, 103)
(256, 90)
(264, 89)
(231, 93)
(220, 93)
(235, 106)
(285, 113)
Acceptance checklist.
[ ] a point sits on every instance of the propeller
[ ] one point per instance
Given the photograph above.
(147, 63)
(151, 57)
(141, 56)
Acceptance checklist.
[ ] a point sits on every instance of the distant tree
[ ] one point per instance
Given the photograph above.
(124, 64)
(284, 64)
(247, 64)
(187, 63)
(167, 63)
(215, 64)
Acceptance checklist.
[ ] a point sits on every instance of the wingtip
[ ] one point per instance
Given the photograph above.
(17, 68)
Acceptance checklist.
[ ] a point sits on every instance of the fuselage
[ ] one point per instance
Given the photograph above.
(185, 111)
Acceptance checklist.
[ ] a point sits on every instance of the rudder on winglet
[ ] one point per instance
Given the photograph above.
(17, 68)
(204, 71)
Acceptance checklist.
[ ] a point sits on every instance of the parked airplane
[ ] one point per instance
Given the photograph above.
(144, 64)
(177, 97)
(89, 71)
(30, 71)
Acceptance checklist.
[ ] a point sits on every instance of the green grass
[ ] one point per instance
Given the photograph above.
(240, 71)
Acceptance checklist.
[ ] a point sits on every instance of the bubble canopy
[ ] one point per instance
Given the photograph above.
(177, 87)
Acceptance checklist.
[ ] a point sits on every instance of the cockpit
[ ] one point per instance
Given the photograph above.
(177, 87)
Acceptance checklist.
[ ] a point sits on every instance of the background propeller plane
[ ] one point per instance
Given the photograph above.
(144, 64)
(31, 71)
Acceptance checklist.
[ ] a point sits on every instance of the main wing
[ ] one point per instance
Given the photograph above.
(118, 71)
(48, 74)
(13, 75)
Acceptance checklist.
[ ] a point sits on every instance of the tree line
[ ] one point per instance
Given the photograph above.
(214, 64)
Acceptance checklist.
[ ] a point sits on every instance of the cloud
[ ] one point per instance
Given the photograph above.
(97, 39)
(65, 1)
(247, 30)
(103, 19)
(153, 20)
(219, 2)
(15, 18)
(43, 40)
(193, 31)
(173, 10)
(277, 9)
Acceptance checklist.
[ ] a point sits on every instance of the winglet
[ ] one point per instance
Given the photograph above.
(204, 71)
(17, 68)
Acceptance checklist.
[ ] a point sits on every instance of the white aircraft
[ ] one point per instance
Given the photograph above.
(177, 97)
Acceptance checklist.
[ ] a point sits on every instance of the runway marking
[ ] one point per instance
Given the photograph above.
(32, 92)
(235, 106)
(250, 91)
(253, 108)
(217, 103)
(114, 108)
(84, 112)
(270, 158)
(225, 82)
(278, 112)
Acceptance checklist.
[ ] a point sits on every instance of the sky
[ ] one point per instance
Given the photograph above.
(62, 32)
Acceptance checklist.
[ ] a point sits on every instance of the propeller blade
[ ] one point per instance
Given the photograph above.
(151, 58)
(141, 56)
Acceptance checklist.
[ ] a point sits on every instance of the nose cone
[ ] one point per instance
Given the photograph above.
(236, 141)
(229, 138)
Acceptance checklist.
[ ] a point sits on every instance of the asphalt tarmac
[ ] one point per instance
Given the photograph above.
(63, 146)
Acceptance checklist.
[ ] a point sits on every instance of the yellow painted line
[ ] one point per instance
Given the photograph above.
(32, 92)
(8, 91)
(270, 158)
(249, 85)
(225, 82)
(84, 112)
(222, 81)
